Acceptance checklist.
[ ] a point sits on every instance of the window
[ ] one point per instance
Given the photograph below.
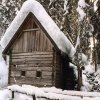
(23, 73)
(38, 74)
(14, 65)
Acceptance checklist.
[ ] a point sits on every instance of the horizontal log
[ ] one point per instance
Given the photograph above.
(45, 73)
(15, 73)
(33, 53)
(32, 59)
(32, 65)
(34, 62)
(38, 85)
(31, 74)
(31, 62)
(28, 30)
(31, 81)
(31, 56)
(31, 68)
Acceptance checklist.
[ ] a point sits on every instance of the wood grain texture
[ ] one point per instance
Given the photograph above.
(33, 50)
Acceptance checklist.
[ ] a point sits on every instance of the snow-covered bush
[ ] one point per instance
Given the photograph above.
(87, 78)
(91, 79)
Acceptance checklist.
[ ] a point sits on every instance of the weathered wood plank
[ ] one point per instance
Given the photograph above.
(32, 65)
(24, 80)
(45, 73)
(33, 38)
(31, 62)
(33, 53)
(30, 73)
(15, 73)
(28, 30)
(33, 57)
(30, 68)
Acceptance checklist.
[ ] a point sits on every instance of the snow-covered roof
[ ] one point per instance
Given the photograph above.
(45, 20)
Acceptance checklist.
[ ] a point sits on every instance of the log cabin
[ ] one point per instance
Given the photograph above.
(37, 52)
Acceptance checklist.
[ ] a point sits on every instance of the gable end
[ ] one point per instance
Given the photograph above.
(24, 28)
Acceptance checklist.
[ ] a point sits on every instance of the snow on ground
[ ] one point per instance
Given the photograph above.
(5, 94)
(89, 68)
(51, 93)
(19, 96)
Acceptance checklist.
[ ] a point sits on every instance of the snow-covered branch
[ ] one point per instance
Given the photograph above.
(66, 7)
(80, 9)
(95, 5)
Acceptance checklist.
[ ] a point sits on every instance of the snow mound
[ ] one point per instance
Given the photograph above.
(90, 68)
(5, 94)
(3, 74)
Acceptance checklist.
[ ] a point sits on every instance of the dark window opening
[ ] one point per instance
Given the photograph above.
(23, 73)
(14, 65)
(38, 74)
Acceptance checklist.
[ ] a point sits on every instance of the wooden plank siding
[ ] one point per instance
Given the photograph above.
(31, 81)
(32, 41)
(30, 63)
(58, 70)
(33, 51)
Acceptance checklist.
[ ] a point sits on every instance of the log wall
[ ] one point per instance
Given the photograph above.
(31, 63)
(33, 52)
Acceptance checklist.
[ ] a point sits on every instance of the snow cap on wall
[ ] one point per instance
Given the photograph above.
(45, 20)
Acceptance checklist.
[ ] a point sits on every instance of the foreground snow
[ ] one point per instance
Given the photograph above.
(51, 93)
(5, 94)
